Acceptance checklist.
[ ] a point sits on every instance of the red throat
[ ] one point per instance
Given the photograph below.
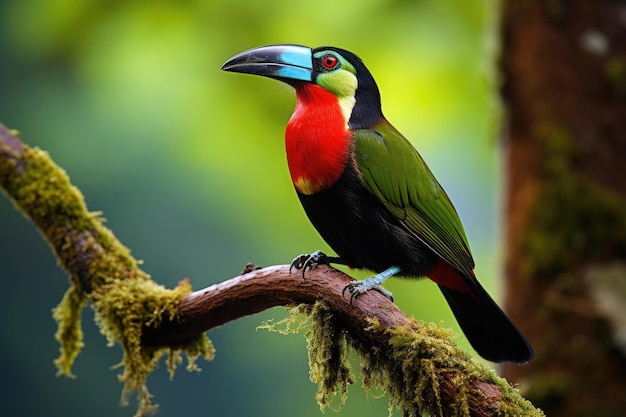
(317, 139)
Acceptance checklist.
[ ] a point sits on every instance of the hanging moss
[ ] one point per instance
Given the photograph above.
(329, 366)
(69, 332)
(123, 309)
(327, 346)
(410, 368)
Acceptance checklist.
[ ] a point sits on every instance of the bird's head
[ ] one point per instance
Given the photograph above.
(338, 71)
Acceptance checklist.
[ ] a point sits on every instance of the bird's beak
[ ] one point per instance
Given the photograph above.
(288, 63)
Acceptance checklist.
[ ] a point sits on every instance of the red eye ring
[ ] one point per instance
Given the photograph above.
(329, 61)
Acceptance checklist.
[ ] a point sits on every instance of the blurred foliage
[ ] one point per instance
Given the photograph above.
(187, 164)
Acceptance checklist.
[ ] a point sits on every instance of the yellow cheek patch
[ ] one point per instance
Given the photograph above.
(343, 85)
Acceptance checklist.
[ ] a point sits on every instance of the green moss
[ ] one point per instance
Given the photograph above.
(327, 346)
(101, 270)
(411, 374)
(42, 191)
(329, 366)
(418, 361)
(298, 319)
(574, 218)
(411, 367)
(123, 308)
(69, 332)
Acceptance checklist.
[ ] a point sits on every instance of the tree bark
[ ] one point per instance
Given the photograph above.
(564, 67)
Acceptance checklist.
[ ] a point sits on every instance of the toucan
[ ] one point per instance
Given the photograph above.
(369, 193)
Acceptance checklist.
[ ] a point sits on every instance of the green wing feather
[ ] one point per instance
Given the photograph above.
(398, 176)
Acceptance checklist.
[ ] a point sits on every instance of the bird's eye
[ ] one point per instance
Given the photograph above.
(330, 61)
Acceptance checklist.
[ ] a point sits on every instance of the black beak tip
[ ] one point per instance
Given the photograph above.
(284, 62)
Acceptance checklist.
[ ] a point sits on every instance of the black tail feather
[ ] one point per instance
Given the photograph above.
(490, 332)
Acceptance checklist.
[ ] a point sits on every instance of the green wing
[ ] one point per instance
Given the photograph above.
(398, 176)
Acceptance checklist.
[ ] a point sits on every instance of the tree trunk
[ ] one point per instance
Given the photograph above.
(564, 66)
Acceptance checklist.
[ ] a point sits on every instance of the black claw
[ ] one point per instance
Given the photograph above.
(343, 292)
(298, 262)
(306, 262)
(353, 297)
(353, 293)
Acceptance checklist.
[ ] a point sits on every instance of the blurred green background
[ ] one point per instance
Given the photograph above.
(187, 164)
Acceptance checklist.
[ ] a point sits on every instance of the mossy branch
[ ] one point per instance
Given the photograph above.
(101, 270)
(418, 364)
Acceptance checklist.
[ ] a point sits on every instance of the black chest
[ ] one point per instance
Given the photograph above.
(362, 231)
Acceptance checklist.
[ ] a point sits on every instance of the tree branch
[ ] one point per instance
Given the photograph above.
(417, 364)
(274, 286)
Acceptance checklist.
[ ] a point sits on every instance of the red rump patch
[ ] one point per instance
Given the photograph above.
(445, 274)
(317, 139)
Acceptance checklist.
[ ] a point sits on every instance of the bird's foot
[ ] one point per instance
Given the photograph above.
(308, 261)
(357, 288)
